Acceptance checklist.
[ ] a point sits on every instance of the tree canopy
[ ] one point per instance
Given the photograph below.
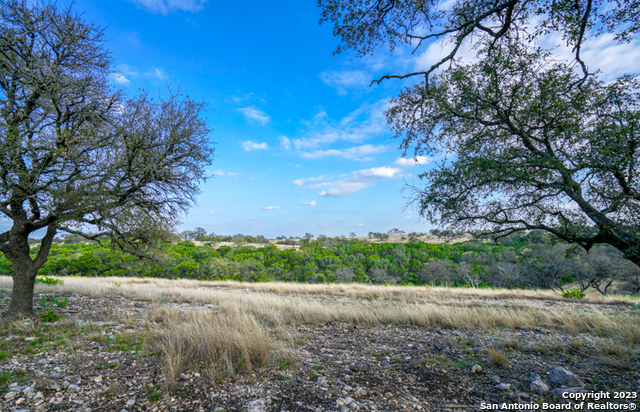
(78, 156)
(526, 140)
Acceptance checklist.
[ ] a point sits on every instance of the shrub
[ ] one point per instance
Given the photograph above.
(49, 316)
(49, 280)
(573, 294)
(61, 303)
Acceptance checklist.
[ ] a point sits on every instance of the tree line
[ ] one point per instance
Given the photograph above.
(525, 260)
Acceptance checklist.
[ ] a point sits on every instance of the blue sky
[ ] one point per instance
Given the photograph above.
(302, 143)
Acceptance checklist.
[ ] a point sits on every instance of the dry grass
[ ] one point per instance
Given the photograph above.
(616, 355)
(180, 289)
(577, 345)
(222, 343)
(498, 358)
(461, 309)
(511, 344)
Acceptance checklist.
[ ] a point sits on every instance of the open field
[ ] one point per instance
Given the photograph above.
(152, 344)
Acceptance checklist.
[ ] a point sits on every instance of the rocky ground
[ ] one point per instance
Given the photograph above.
(102, 357)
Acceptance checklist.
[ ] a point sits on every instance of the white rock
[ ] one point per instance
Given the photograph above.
(73, 388)
(360, 392)
(130, 402)
(10, 395)
(504, 386)
(538, 386)
(256, 406)
(476, 369)
(561, 376)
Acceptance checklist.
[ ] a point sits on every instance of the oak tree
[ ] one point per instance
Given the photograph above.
(77, 156)
(527, 141)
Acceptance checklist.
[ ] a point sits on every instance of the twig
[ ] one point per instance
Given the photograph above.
(517, 393)
(582, 353)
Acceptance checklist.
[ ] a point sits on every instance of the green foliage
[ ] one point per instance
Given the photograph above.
(519, 261)
(521, 124)
(61, 303)
(50, 316)
(49, 280)
(573, 294)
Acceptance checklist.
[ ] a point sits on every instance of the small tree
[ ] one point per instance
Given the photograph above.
(78, 157)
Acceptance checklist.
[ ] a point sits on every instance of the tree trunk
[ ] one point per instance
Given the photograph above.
(24, 276)
(25, 269)
(21, 304)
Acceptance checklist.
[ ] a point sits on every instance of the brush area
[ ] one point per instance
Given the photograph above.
(156, 344)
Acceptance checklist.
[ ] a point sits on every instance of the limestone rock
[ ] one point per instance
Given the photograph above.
(538, 386)
(561, 376)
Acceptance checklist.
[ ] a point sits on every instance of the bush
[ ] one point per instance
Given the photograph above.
(49, 316)
(49, 280)
(573, 294)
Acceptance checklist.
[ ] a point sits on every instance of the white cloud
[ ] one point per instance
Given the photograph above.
(249, 146)
(120, 79)
(221, 172)
(414, 161)
(343, 80)
(366, 122)
(127, 70)
(441, 48)
(353, 153)
(354, 182)
(271, 208)
(343, 188)
(254, 114)
(384, 172)
(156, 74)
(599, 53)
(602, 52)
(285, 142)
(300, 182)
(312, 203)
(248, 97)
(169, 6)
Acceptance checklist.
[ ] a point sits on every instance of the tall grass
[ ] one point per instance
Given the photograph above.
(461, 309)
(223, 343)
